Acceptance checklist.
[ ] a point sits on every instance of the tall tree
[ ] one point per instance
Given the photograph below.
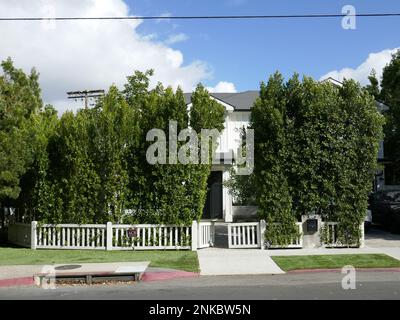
(390, 95)
(19, 100)
(373, 87)
(36, 198)
(315, 152)
(268, 119)
(112, 130)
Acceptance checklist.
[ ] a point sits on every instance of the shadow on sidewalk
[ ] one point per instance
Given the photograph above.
(221, 236)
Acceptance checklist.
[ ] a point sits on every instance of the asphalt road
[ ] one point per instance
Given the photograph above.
(310, 286)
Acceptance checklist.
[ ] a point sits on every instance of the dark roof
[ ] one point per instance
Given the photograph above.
(239, 101)
(245, 100)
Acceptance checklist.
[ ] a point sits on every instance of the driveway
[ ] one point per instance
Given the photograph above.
(376, 237)
(219, 261)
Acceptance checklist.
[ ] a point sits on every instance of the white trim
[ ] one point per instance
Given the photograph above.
(226, 199)
(227, 107)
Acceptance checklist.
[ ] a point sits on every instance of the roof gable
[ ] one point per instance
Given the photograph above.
(244, 101)
(238, 101)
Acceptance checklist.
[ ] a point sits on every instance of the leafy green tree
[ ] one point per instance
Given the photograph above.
(268, 119)
(315, 152)
(73, 172)
(373, 87)
(36, 198)
(390, 95)
(19, 100)
(205, 113)
(168, 193)
(90, 167)
(112, 130)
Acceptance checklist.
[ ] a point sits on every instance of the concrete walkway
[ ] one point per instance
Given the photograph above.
(378, 238)
(220, 261)
(217, 261)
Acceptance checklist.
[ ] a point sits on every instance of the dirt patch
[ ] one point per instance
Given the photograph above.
(82, 283)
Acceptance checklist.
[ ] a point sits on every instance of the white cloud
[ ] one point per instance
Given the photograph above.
(150, 37)
(223, 86)
(175, 38)
(79, 55)
(375, 61)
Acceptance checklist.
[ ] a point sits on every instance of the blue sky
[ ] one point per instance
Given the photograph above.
(245, 52)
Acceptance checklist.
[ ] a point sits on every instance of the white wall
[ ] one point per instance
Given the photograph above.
(230, 137)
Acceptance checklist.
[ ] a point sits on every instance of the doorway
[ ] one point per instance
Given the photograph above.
(213, 206)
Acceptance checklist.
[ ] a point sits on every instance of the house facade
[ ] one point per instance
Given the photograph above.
(219, 204)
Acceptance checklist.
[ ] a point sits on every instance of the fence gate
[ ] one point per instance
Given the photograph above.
(206, 234)
(244, 235)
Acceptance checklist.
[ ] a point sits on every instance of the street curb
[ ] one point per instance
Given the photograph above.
(340, 270)
(146, 277)
(168, 275)
(15, 282)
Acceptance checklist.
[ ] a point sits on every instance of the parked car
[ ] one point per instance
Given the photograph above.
(385, 209)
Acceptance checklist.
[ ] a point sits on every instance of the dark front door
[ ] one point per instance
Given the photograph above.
(213, 206)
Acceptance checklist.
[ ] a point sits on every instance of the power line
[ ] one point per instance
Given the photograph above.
(85, 95)
(217, 17)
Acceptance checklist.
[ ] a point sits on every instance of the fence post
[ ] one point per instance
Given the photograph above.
(230, 236)
(262, 226)
(33, 234)
(194, 235)
(109, 236)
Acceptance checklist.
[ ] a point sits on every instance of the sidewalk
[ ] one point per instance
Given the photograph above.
(218, 261)
(23, 275)
(213, 261)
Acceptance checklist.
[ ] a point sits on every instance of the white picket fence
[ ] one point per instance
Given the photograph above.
(244, 235)
(206, 235)
(331, 236)
(154, 237)
(103, 236)
(251, 235)
(150, 237)
(331, 228)
(296, 243)
(71, 236)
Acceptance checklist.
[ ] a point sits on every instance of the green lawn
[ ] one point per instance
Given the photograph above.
(288, 263)
(182, 260)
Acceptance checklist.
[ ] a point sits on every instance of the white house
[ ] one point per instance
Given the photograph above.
(219, 205)
(237, 115)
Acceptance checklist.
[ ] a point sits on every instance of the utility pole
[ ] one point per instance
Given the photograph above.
(85, 95)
